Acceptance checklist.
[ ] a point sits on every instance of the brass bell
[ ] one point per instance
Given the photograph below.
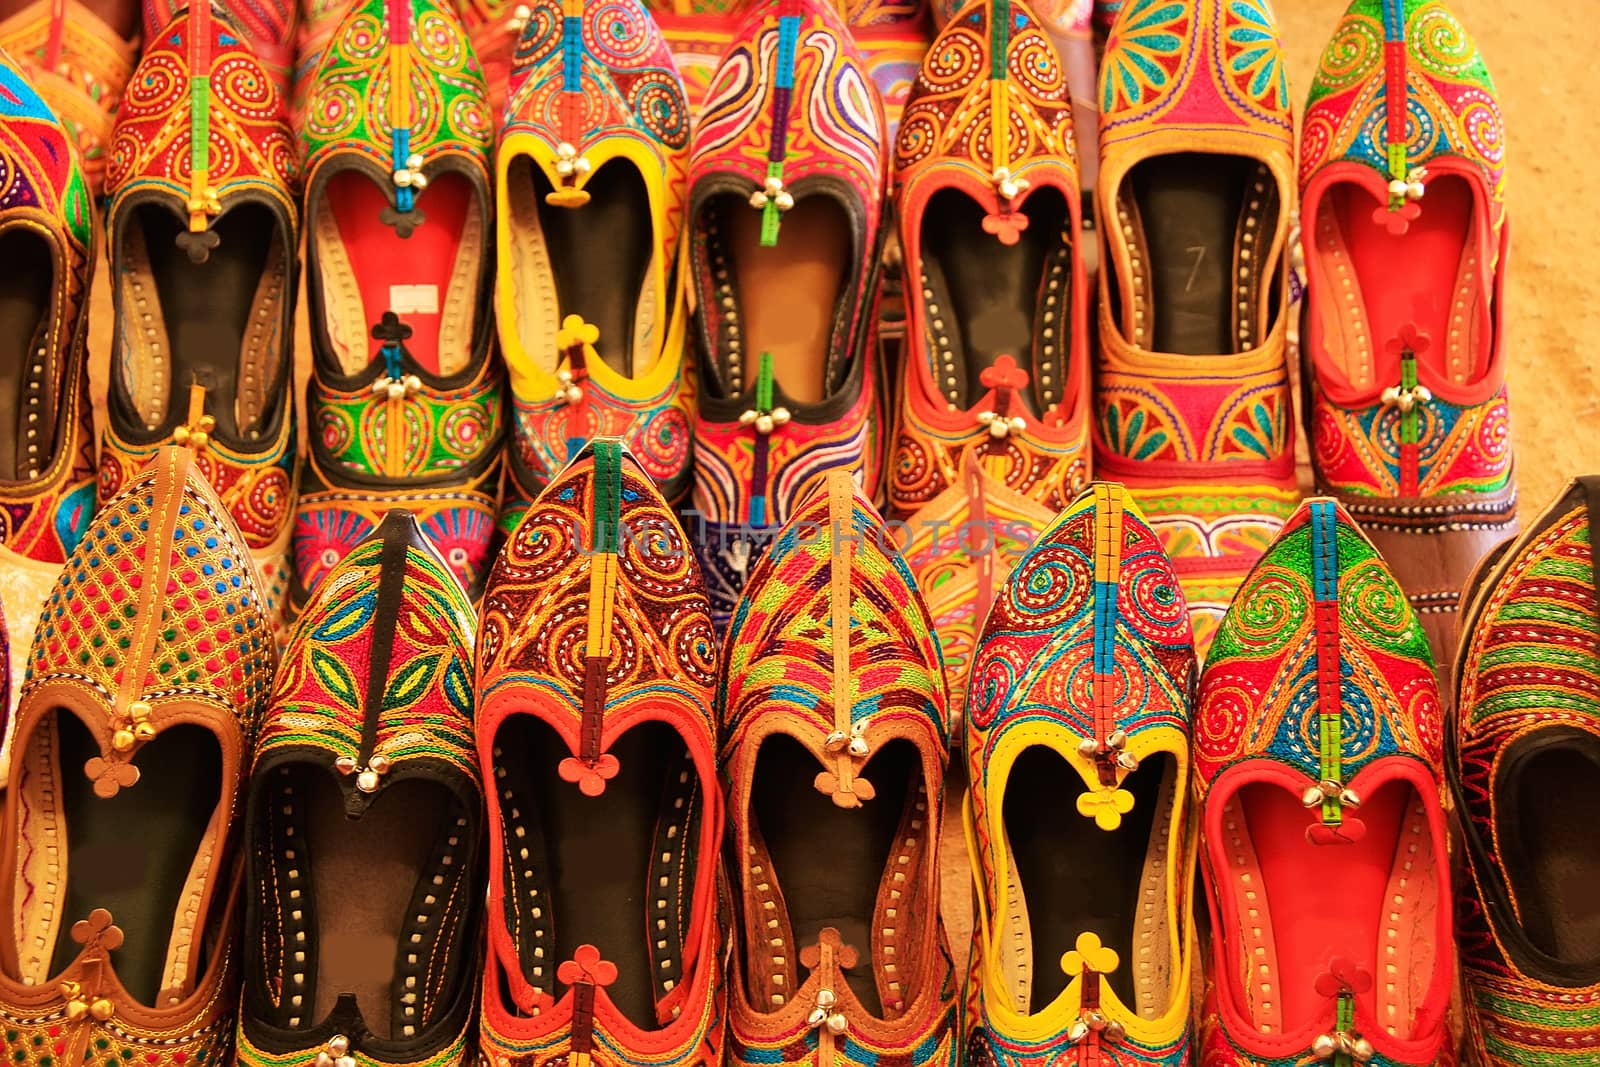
(837, 1023)
(101, 1009)
(1324, 1047)
(122, 740)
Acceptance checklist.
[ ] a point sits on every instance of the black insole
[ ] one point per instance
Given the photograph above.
(599, 848)
(131, 853)
(599, 253)
(1076, 877)
(1189, 206)
(989, 291)
(27, 275)
(206, 307)
(1557, 881)
(830, 861)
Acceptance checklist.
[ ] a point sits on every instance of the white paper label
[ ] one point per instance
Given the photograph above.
(414, 299)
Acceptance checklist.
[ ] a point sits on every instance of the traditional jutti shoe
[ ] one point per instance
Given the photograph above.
(595, 665)
(1078, 822)
(203, 260)
(46, 444)
(785, 197)
(1405, 257)
(150, 669)
(1323, 842)
(834, 745)
(78, 63)
(1197, 187)
(1521, 756)
(266, 26)
(364, 822)
(591, 314)
(406, 398)
(997, 332)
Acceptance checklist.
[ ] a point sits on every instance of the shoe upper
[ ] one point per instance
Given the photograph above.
(268, 28)
(986, 147)
(154, 636)
(375, 691)
(1318, 728)
(588, 130)
(849, 709)
(390, 427)
(1402, 404)
(594, 632)
(1522, 740)
(1087, 655)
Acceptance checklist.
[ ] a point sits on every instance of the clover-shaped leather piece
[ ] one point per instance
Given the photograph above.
(110, 776)
(587, 966)
(1089, 955)
(1105, 806)
(99, 930)
(1343, 976)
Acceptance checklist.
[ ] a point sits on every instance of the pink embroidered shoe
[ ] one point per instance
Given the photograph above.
(1192, 402)
(1405, 241)
(785, 197)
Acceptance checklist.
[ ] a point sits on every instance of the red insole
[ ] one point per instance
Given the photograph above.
(1410, 277)
(388, 266)
(1327, 900)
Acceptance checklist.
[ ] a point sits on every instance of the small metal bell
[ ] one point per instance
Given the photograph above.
(837, 1023)
(1349, 798)
(1361, 1049)
(1079, 1031)
(345, 764)
(1397, 188)
(379, 764)
(817, 1017)
(367, 781)
(1114, 1031)
(780, 415)
(1312, 796)
(763, 424)
(825, 998)
(1089, 748)
(101, 1009)
(1127, 761)
(1116, 739)
(122, 740)
(1324, 1047)
(835, 743)
(858, 746)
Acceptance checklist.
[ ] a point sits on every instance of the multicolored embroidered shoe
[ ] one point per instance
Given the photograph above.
(785, 196)
(590, 193)
(997, 321)
(1192, 402)
(1318, 770)
(595, 665)
(267, 27)
(1521, 754)
(495, 27)
(149, 672)
(1081, 689)
(46, 441)
(79, 63)
(203, 257)
(834, 746)
(1405, 251)
(405, 399)
(364, 823)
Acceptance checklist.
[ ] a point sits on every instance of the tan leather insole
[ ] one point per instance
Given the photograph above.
(789, 294)
(1558, 883)
(27, 275)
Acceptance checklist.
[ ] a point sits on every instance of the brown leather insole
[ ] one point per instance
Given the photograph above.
(1557, 882)
(131, 853)
(1076, 877)
(1191, 207)
(830, 861)
(27, 275)
(789, 293)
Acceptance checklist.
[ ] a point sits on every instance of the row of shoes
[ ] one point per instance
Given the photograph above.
(569, 831)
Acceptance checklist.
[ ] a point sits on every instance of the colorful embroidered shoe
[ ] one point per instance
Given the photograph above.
(997, 321)
(405, 398)
(785, 196)
(962, 546)
(1192, 403)
(203, 247)
(46, 444)
(834, 739)
(78, 62)
(150, 669)
(495, 27)
(1521, 755)
(595, 665)
(1405, 251)
(590, 195)
(1318, 770)
(1081, 689)
(266, 26)
(364, 823)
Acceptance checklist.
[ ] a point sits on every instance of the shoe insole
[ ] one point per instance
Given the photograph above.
(132, 853)
(1338, 901)
(207, 308)
(1075, 877)
(599, 255)
(1415, 278)
(988, 293)
(1191, 208)
(830, 861)
(599, 849)
(1557, 878)
(789, 294)
(412, 276)
(27, 276)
